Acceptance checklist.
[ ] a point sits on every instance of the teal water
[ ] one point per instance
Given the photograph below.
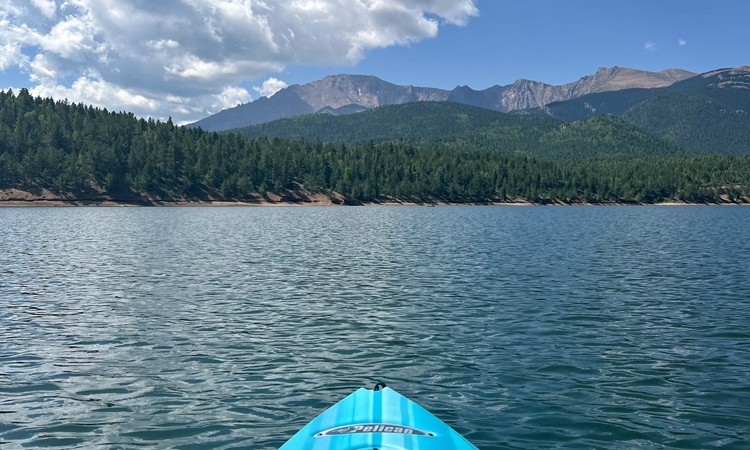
(522, 328)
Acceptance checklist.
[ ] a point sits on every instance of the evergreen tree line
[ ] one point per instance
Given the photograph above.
(463, 127)
(73, 148)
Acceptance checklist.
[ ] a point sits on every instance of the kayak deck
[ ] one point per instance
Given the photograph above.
(383, 420)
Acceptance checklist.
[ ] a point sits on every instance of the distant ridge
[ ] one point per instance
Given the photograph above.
(344, 110)
(345, 94)
(333, 92)
(525, 94)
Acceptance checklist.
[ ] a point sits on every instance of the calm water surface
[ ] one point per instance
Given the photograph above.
(523, 328)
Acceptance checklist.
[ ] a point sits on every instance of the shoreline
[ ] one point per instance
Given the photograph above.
(16, 198)
(75, 203)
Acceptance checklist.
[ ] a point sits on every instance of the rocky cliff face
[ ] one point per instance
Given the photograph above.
(353, 93)
(737, 78)
(370, 92)
(526, 94)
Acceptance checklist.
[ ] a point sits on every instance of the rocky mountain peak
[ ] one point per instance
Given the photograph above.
(367, 91)
(607, 71)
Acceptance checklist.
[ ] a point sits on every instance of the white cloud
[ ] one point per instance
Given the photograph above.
(142, 53)
(651, 46)
(163, 44)
(682, 42)
(41, 69)
(270, 87)
(231, 97)
(91, 90)
(99, 93)
(11, 55)
(47, 7)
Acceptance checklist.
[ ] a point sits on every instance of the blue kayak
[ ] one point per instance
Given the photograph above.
(381, 419)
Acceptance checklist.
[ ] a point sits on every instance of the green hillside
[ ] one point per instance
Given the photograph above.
(602, 135)
(695, 122)
(417, 122)
(708, 113)
(463, 127)
(613, 103)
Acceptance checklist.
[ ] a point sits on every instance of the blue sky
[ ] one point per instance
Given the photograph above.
(558, 41)
(192, 59)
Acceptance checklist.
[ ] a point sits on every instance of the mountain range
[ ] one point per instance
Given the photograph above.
(708, 113)
(347, 94)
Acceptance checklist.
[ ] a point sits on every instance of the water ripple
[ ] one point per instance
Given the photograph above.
(523, 328)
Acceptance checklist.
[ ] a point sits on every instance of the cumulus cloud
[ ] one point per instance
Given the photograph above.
(651, 46)
(682, 42)
(11, 55)
(186, 58)
(270, 87)
(96, 92)
(230, 97)
(46, 7)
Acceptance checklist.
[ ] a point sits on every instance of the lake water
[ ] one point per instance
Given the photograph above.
(521, 327)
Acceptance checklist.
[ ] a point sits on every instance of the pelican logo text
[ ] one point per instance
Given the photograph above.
(373, 428)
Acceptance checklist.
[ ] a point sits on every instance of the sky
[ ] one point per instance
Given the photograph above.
(188, 59)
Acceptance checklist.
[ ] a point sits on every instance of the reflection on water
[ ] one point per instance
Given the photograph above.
(523, 328)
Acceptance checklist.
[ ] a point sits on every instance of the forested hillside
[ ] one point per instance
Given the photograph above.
(463, 127)
(77, 149)
(613, 103)
(694, 122)
(709, 113)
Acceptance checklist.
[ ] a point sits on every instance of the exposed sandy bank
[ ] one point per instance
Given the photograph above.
(301, 198)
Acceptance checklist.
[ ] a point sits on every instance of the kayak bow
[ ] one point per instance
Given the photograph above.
(381, 419)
